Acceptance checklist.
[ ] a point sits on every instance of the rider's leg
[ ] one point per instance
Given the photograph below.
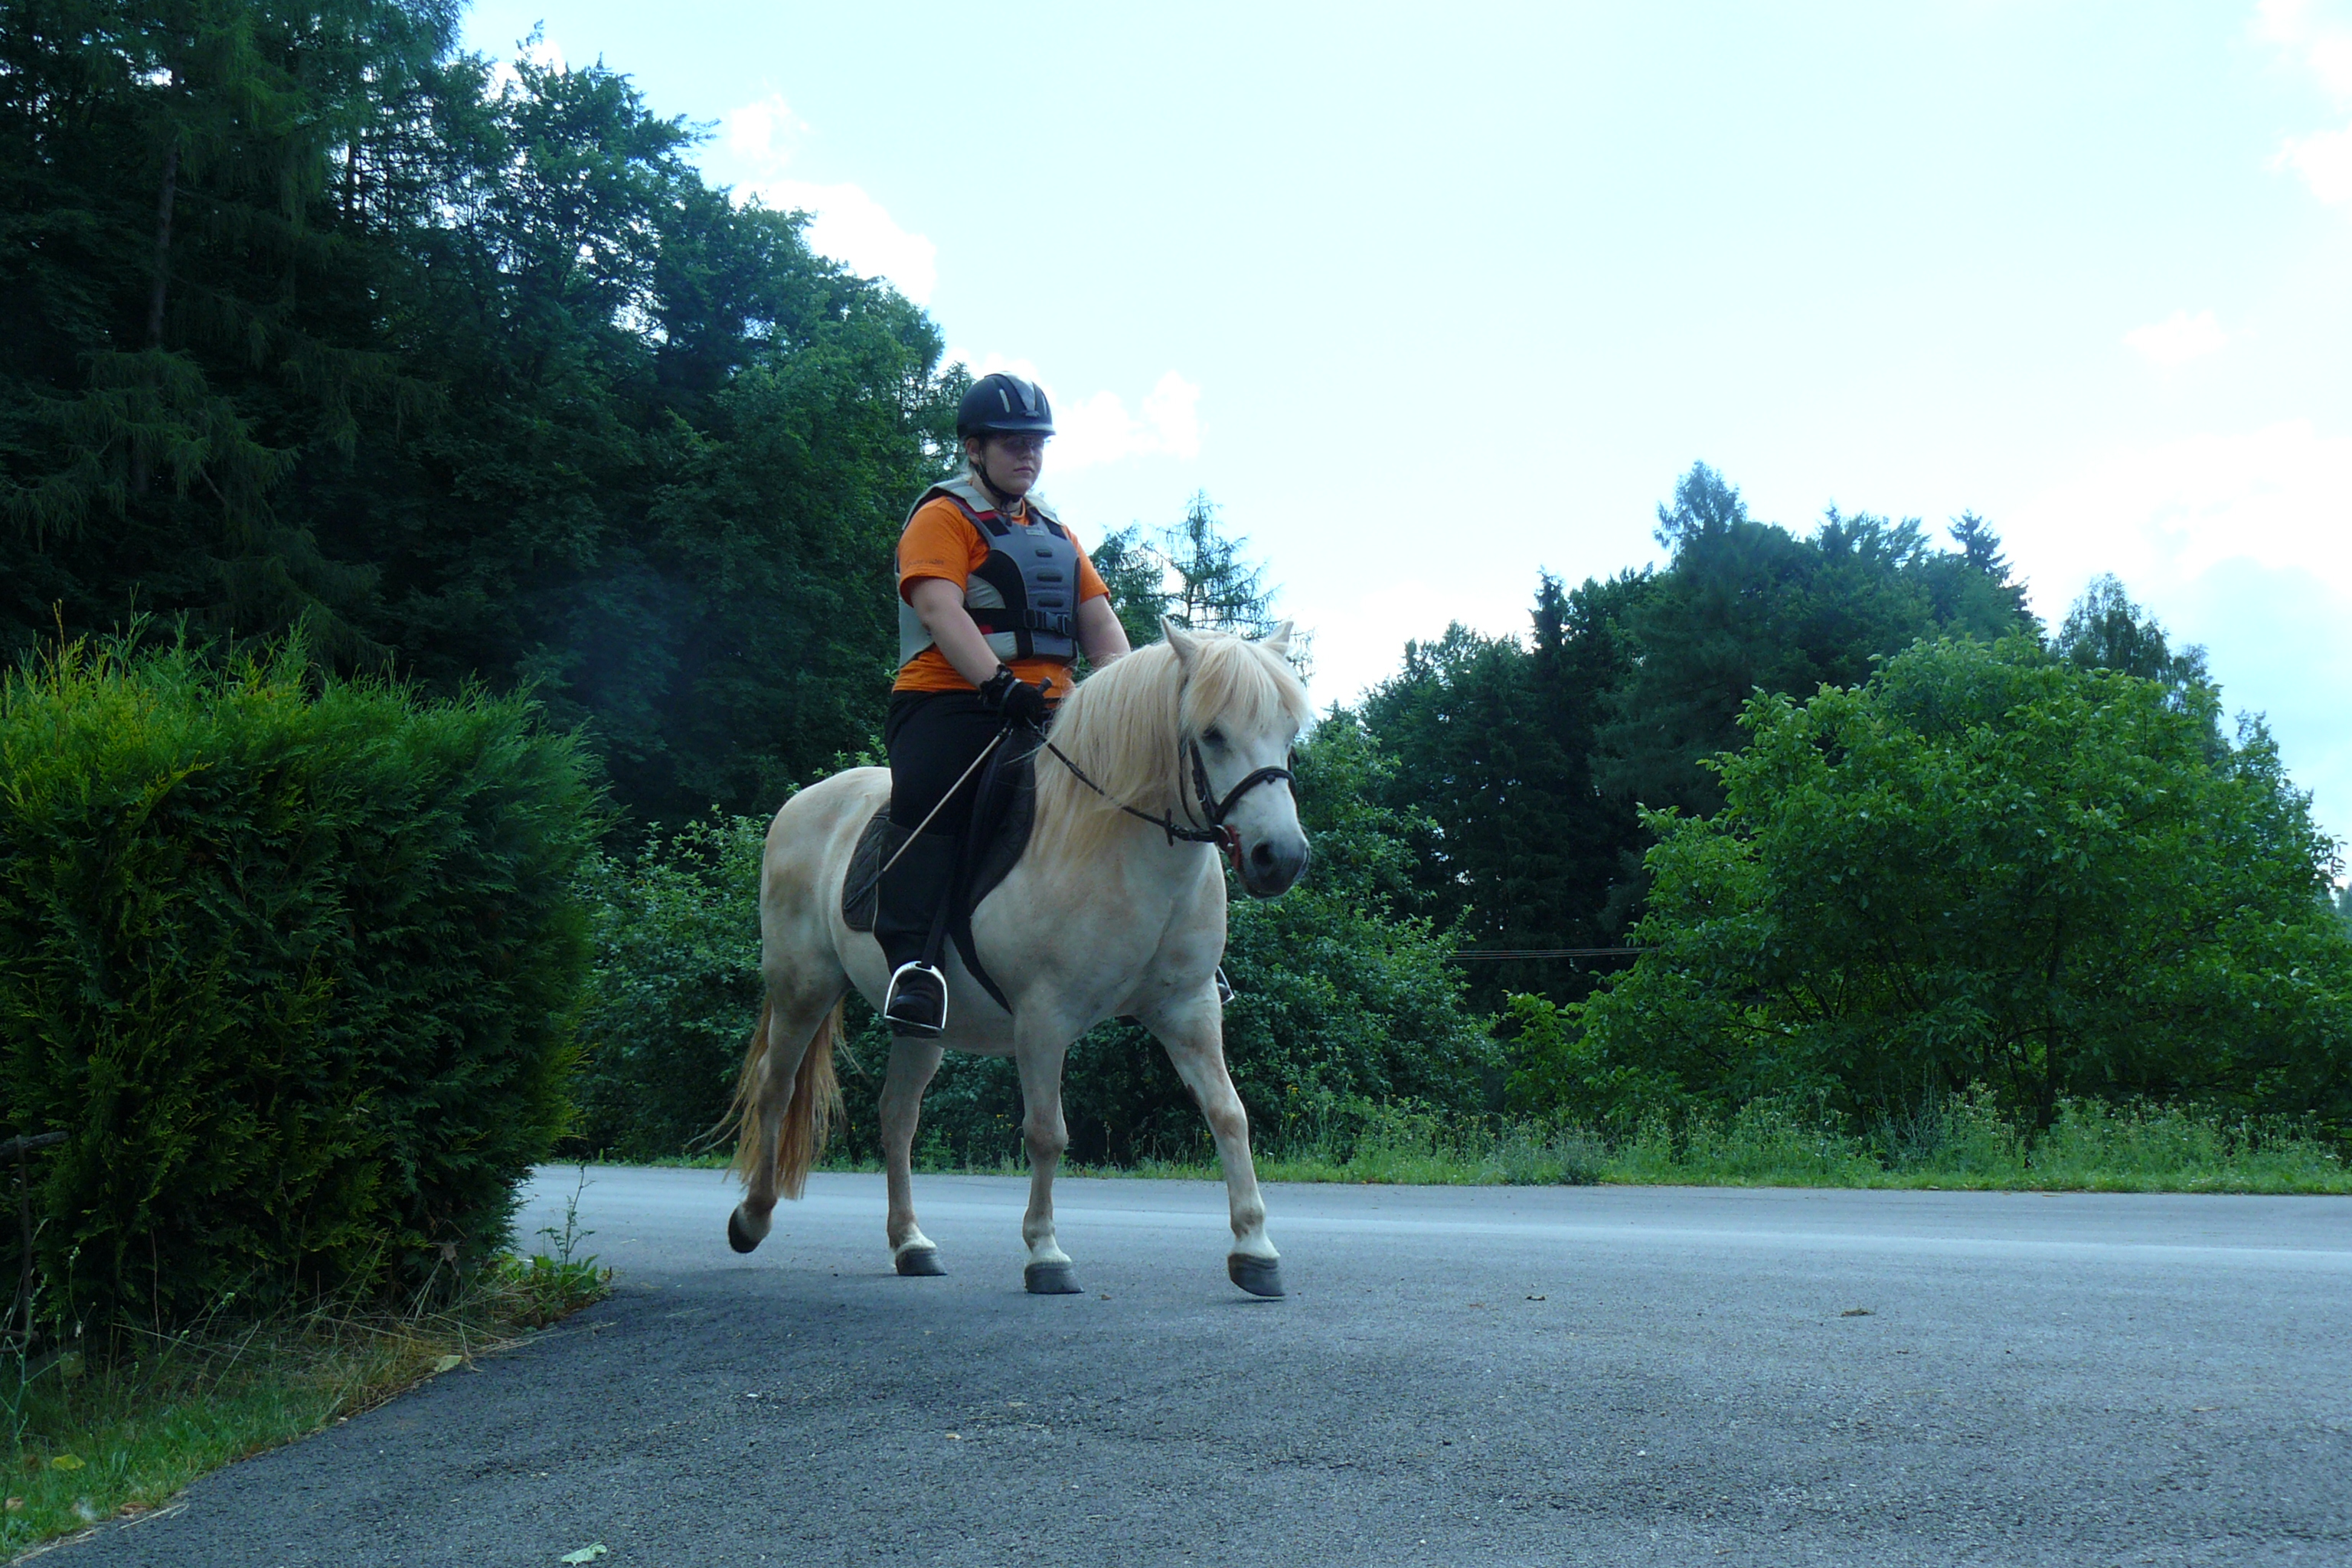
(932, 738)
(907, 907)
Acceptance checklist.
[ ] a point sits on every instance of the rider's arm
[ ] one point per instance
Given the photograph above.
(1100, 635)
(941, 604)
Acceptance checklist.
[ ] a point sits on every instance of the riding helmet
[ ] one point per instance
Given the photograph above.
(999, 403)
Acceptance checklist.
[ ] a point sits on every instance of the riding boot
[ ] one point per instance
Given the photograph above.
(910, 921)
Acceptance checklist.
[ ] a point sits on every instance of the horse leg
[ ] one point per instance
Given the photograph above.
(912, 1063)
(1048, 1271)
(789, 1026)
(1193, 1033)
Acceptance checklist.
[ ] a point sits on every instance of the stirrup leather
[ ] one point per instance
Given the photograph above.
(920, 1008)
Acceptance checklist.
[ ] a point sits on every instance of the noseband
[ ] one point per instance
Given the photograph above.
(1216, 810)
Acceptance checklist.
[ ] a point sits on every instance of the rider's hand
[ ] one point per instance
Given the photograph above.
(1008, 694)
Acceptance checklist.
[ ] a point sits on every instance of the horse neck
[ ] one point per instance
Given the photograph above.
(1123, 726)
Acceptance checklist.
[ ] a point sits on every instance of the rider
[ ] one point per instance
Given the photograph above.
(987, 633)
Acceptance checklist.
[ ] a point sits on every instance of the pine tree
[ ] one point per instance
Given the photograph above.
(1213, 587)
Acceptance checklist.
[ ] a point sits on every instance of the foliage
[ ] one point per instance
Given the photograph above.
(1986, 865)
(1531, 755)
(2104, 630)
(1747, 606)
(1492, 742)
(305, 320)
(167, 171)
(1138, 579)
(1213, 586)
(1958, 1141)
(675, 989)
(292, 962)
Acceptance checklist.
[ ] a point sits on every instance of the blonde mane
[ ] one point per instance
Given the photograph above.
(1126, 725)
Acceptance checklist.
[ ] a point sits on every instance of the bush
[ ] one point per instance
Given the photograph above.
(675, 989)
(292, 962)
(1985, 866)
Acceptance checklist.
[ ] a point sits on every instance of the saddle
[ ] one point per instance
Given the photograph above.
(1003, 810)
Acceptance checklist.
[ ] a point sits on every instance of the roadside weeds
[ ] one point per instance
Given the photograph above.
(1962, 1144)
(96, 1439)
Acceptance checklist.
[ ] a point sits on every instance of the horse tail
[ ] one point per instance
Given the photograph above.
(743, 1112)
(808, 1119)
(816, 1101)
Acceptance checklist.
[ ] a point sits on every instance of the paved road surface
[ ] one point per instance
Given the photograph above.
(1606, 1376)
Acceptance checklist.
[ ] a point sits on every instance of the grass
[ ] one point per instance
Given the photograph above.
(93, 1440)
(1962, 1144)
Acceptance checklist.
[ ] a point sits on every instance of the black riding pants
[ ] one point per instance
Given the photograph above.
(932, 738)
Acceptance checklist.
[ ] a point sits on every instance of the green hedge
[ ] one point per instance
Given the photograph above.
(293, 961)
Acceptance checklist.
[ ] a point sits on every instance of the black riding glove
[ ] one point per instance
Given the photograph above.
(1008, 694)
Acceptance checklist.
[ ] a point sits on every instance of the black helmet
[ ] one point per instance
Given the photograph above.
(999, 403)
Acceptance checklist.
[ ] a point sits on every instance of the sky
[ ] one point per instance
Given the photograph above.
(1430, 300)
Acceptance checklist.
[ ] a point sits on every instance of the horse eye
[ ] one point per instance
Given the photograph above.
(1214, 737)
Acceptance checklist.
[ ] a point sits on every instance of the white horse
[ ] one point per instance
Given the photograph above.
(1106, 913)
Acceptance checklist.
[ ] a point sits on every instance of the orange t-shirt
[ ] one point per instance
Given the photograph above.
(940, 541)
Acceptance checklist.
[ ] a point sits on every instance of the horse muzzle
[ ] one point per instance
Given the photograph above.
(1272, 865)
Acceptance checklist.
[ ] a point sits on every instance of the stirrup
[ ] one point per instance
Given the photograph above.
(1224, 988)
(916, 1002)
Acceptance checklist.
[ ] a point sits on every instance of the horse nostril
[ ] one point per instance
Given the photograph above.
(1262, 856)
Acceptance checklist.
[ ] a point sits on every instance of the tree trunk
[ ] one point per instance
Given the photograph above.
(163, 201)
(158, 296)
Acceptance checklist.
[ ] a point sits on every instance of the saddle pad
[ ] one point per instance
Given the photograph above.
(1016, 791)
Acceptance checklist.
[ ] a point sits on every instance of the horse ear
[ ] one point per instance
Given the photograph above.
(1186, 644)
(1277, 641)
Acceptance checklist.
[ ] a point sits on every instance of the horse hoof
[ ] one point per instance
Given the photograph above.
(739, 1236)
(1051, 1279)
(921, 1262)
(1258, 1275)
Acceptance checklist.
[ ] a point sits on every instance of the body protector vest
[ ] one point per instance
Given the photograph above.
(1025, 597)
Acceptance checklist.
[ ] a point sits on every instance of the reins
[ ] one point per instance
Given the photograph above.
(1219, 832)
(1168, 824)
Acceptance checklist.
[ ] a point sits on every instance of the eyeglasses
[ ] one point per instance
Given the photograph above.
(1020, 445)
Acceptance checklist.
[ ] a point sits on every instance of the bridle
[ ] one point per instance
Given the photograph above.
(1218, 831)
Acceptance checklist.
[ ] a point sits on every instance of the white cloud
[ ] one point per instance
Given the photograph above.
(2172, 511)
(855, 229)
(1098, 428)
(2240, 541)
(2322, 44)
(2324, 159)
(762, 133)
(2178, 339)
(539, 49)
(1359, 636)
(845, 222)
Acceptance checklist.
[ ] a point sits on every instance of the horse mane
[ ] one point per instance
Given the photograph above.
(1125, 725)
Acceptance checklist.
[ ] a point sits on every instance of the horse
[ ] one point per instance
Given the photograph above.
(1116, 908)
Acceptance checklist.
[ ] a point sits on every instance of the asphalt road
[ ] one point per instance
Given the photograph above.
(1583, 1375)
